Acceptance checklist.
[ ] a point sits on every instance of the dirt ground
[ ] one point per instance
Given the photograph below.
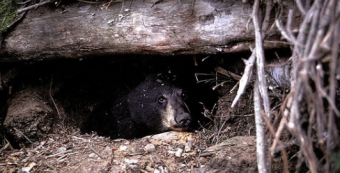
(69, 151)
(226, 144)
(167, 152)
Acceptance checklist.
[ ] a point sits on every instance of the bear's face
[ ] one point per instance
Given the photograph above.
(159, 106)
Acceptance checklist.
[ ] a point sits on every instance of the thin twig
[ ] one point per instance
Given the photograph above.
(55, 105)
(333, 137)
(289, 25)
(23, 3)
(284, 112)
(265, 23)
(8, 144)
(228, 73)
(21, 133)
(94, 151)
(88, 2)
(10, 26)
(284, 32)
(63, 152)
(282, 148)
(301, 7)
(34, 6)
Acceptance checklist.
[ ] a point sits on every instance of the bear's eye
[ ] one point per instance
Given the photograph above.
(184, 95)
(161, 99)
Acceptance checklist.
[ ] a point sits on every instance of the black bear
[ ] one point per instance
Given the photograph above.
(154, 106)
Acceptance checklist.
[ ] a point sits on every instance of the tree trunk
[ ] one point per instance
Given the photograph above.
(80, 29)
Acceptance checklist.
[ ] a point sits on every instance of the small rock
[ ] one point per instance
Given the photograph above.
(148, 168)
(93, 155)
(166, 136)
(188, 145)
(61, 149)
(122, 148)
(107, 151)
(28, 168)
(179, 152)
(131, 161)
(171, 152)
(163, 170)
(150, 148)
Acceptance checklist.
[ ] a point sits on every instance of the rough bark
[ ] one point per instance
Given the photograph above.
(132, 27)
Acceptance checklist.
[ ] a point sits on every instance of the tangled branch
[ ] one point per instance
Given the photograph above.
(311, 110)
(314, 63)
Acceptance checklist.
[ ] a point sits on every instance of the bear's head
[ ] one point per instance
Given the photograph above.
(157, 106)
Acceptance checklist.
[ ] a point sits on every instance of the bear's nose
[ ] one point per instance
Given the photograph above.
(183, 120)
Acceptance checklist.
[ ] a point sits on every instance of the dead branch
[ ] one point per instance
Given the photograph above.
(261, 99)
(260, 61)
(282, 148)
(228, 73)
(34, 6)
(332, 128)
(23, 3)
(316, 41)
(259, 125)
(248, 70)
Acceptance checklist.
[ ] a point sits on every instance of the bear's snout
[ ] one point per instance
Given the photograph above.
(183, 120)
(176, 115)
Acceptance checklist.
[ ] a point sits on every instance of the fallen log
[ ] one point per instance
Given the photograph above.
(78, 30)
